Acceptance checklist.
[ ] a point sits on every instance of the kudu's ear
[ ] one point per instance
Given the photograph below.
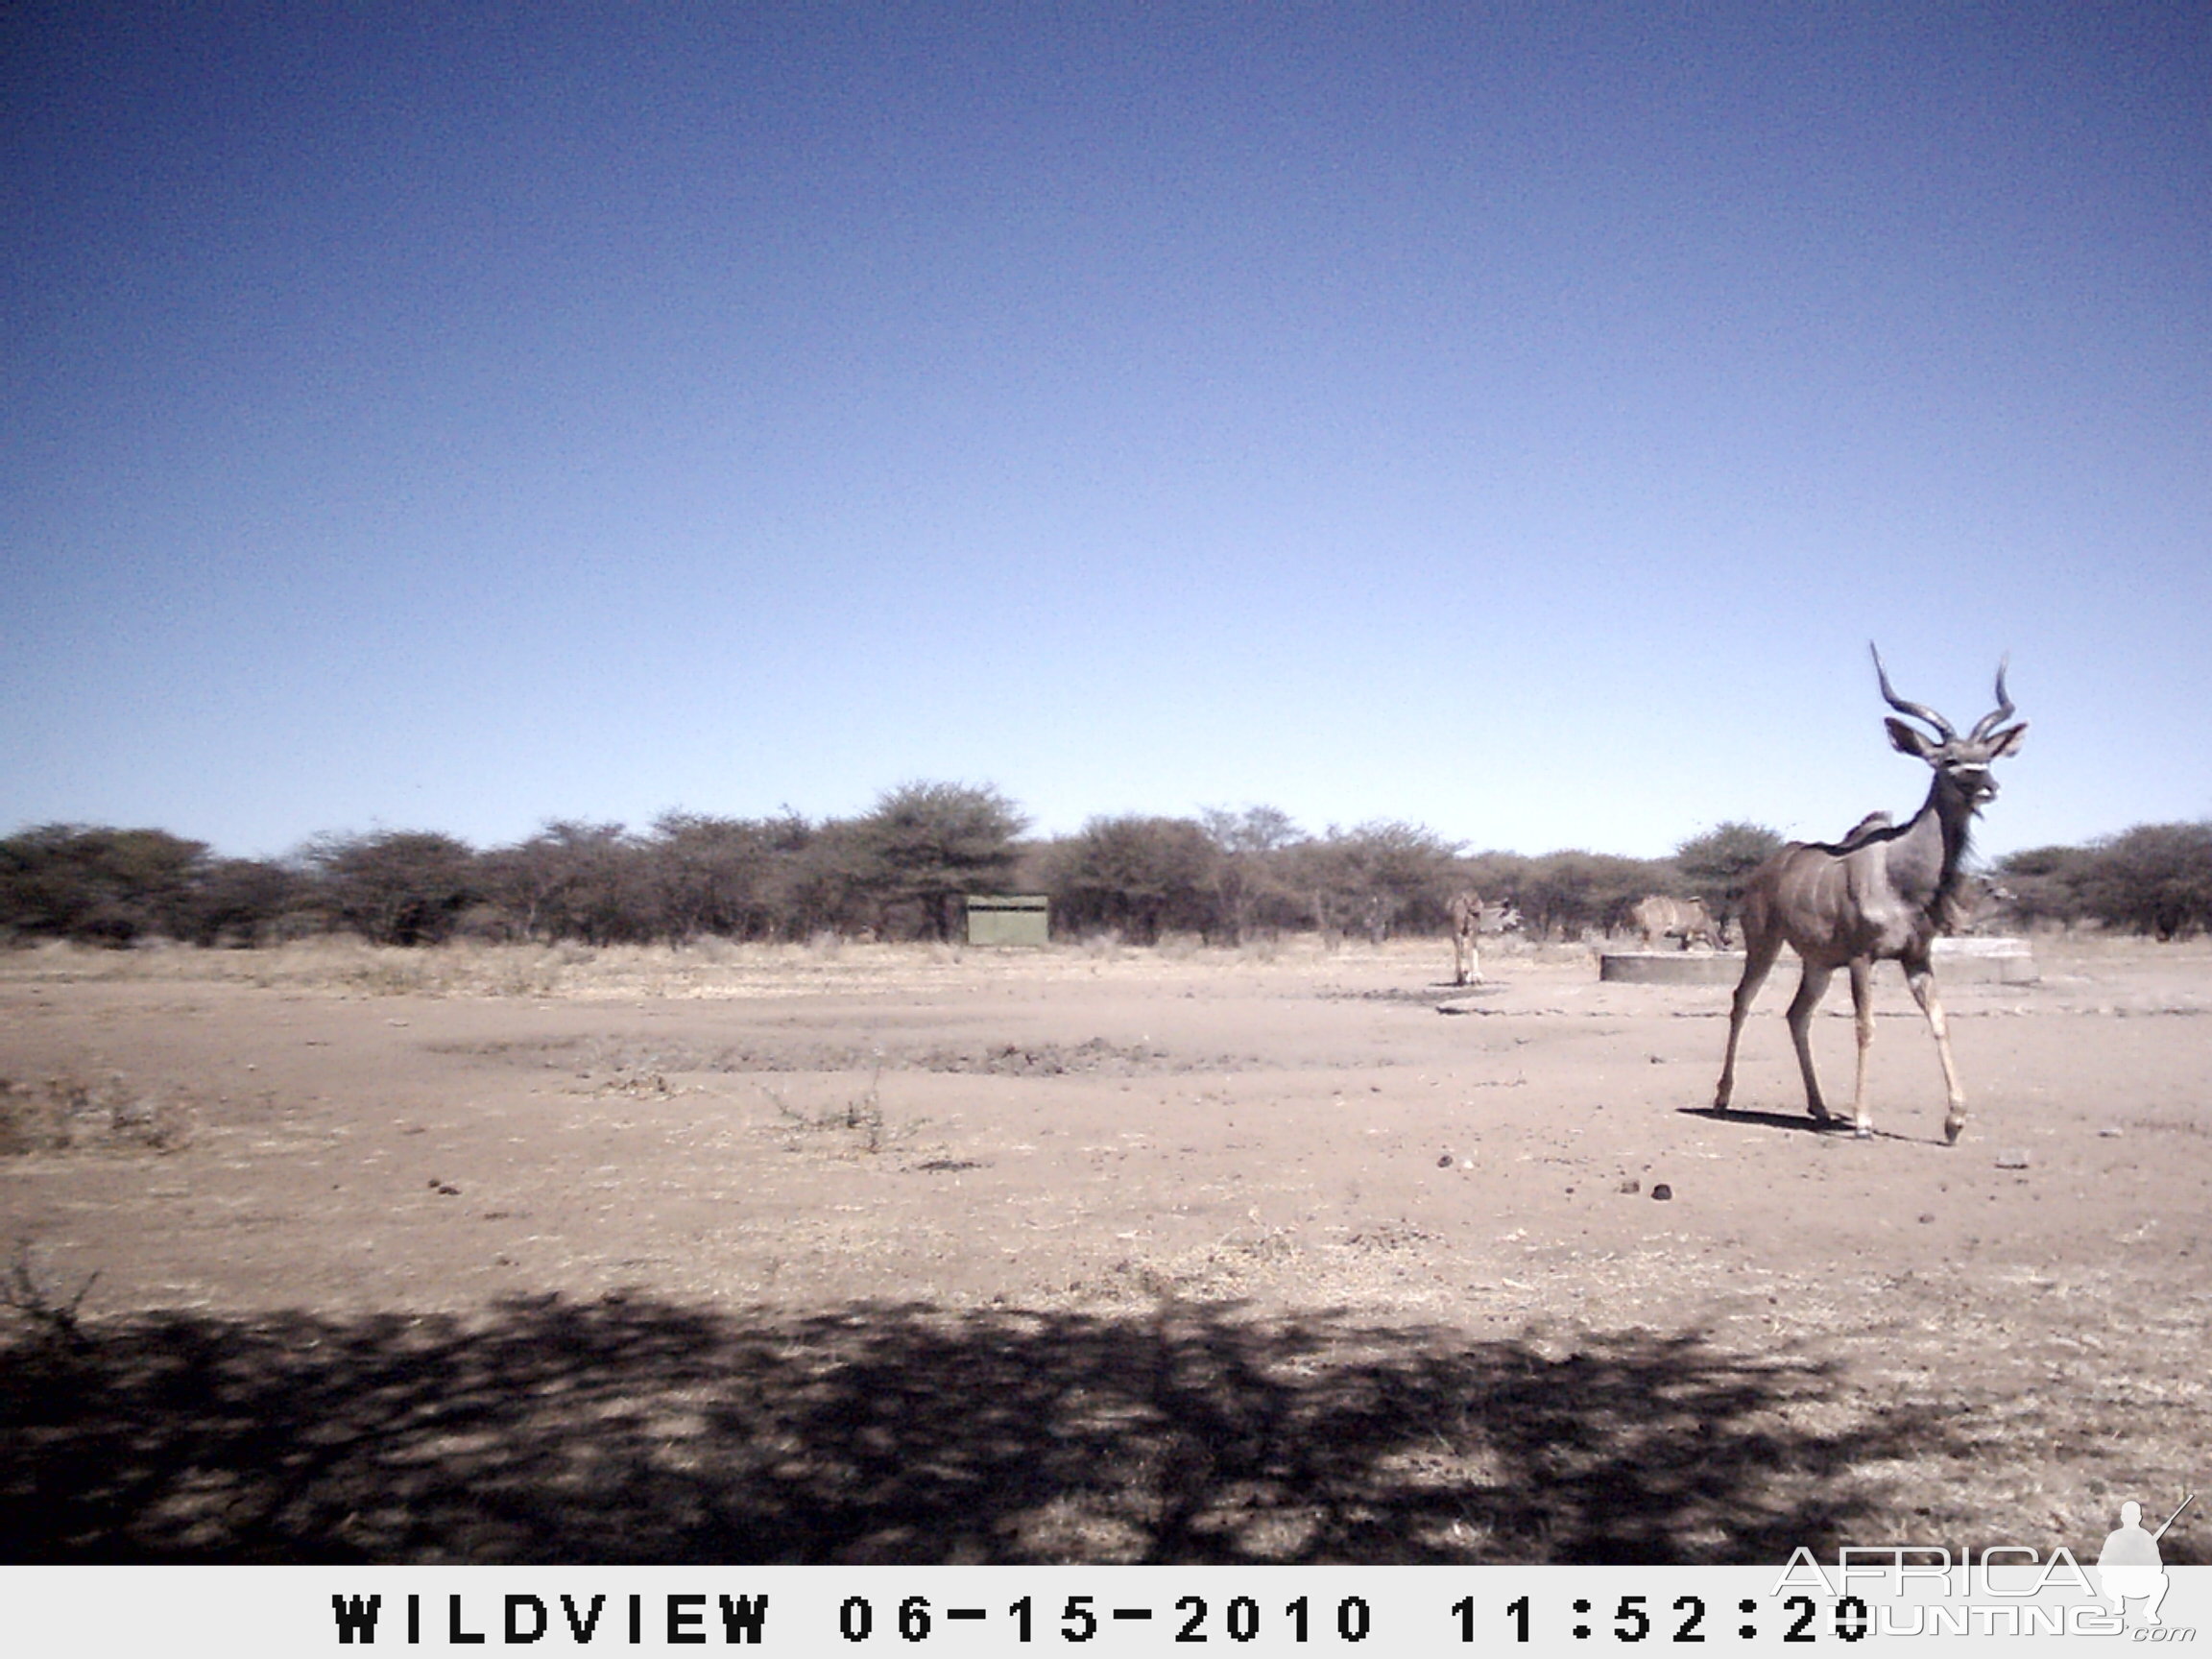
(2007, 742)
(1906, 740)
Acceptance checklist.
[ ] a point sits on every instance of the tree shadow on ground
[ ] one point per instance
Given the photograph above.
(633, 1430)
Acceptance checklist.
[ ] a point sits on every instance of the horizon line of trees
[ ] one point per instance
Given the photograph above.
(902, 870)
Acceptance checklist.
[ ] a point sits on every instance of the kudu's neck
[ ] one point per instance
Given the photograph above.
(1927, 860)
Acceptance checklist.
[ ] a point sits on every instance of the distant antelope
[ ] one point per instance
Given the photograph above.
(1883, 892)
(1466, 913)
(1659, 917)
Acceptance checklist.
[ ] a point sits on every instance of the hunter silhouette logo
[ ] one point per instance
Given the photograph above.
(2130, 1566)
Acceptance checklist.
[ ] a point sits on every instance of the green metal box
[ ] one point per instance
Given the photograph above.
(1009, 919)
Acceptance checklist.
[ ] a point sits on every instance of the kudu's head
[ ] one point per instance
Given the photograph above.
(1962, 763)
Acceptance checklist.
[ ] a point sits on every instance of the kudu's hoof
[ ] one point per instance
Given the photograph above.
(1864, 1132)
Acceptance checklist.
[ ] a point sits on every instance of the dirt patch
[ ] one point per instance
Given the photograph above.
(902, 1255)
(1094, 1056)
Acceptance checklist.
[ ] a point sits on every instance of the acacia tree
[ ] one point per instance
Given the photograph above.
(931, 843)
(1250, 888)
(1573, 892)
(1716, 866)
(822, 883)
(2156, 879)
(98, 884)
(716, 875)
(1371, 876)
(1140, 874)
(242, 900)
(397, 887)
(2046, 883)
(574, 880)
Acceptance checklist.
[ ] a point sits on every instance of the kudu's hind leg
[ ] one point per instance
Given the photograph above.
(1862, 1026)
(1810, 988)
(1922, 980)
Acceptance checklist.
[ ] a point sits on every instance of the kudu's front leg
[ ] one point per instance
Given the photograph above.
(1921, 978)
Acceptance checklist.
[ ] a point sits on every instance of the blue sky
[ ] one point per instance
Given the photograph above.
(1511, 419)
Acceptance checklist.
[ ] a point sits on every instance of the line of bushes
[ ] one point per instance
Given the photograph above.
(2156, 879)
(900, 870)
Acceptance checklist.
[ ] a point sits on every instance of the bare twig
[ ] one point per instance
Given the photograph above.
(24, 1289)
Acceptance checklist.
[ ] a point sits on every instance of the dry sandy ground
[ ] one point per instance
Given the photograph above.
(901, 1254)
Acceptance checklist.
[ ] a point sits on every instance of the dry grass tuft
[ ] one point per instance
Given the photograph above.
(72, 1112)
(860, 1117)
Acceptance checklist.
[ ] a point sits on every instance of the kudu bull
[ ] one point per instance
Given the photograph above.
(1465, 912)
(1885, 891)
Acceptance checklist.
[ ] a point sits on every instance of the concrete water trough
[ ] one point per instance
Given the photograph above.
(1979, 961)
(1973, 961)
(1671, 967)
